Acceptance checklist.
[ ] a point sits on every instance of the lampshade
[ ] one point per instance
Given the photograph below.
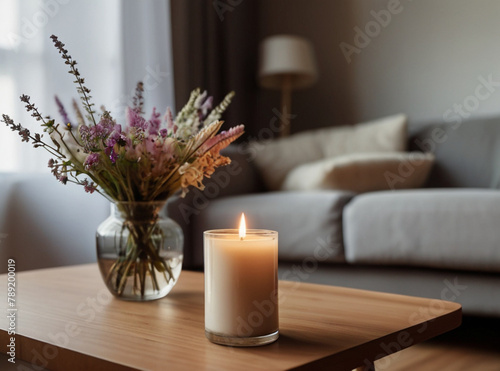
(286, 55)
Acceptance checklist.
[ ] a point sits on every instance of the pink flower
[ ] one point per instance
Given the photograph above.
(154, 122)
(89, 187)
(91, 161)
(135, 120)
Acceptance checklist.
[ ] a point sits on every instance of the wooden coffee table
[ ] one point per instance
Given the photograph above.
(66, 320)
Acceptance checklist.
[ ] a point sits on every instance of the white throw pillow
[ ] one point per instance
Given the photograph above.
(275, 159)
(363, 172)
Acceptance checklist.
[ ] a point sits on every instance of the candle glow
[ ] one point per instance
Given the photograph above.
(243, 227)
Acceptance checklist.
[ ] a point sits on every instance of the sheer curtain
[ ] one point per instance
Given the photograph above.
(116, 44)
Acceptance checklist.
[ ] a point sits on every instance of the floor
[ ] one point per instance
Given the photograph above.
(473, 346)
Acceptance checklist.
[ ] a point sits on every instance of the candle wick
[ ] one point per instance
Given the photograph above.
(241, 238)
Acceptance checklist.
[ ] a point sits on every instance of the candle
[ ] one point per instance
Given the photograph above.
(241, 286)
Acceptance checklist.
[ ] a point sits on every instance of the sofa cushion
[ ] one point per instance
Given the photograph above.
(455, 229)
(362, 172)
(467, 152)
(275, 159)
(309, 223)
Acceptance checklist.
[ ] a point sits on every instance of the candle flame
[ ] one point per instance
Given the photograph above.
(243, 227)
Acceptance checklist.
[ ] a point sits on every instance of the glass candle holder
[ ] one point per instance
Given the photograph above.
(241, 287)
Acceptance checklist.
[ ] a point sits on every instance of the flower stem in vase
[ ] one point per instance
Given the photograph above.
(146, 261)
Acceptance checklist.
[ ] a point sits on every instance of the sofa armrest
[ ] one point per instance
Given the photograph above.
(477, 167)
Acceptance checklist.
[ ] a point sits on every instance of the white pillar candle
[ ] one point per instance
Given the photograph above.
(241, 286)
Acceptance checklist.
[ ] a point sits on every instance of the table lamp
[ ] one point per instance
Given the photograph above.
(286, 63)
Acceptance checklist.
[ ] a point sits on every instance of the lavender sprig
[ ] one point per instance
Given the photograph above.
(62, 111)
(38, 142)
(36, 139)
(138, 99)
(82, 89)
(30, 107)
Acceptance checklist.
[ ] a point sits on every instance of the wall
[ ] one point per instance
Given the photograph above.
(428, 59)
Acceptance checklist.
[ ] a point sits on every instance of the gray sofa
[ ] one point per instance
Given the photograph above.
(441, 241)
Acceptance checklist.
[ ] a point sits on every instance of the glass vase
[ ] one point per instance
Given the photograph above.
(139, 250)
